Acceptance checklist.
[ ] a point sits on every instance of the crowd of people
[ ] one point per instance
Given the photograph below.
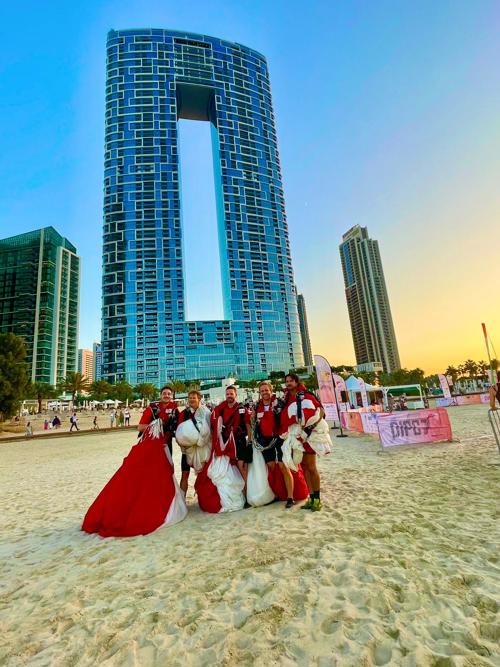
(240, 457)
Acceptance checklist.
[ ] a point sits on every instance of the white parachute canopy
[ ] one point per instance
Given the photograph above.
(258, 490)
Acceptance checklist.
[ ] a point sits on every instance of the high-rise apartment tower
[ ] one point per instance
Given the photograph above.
(304, 331)
(367, 301)
(86, 363)
(154, 78)
(39, 293)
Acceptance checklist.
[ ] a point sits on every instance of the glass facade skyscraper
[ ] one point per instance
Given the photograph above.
(304, 331)
(372, 328)
(154, 78)
(39, 299)
(97, 354)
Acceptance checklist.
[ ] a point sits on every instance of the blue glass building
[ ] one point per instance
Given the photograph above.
(155, 77)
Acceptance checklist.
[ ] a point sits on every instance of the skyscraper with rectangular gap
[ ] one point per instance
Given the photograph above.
(154, 78)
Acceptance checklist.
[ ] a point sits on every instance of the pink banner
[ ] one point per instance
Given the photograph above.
(472, 399)
(364, 393)
(444, 385)
(326, 389)
(420, 426)
(340, 387)
(351, 421)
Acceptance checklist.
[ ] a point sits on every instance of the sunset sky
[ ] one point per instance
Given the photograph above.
(388, 116)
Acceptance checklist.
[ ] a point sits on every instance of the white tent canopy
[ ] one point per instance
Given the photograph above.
(352, 384)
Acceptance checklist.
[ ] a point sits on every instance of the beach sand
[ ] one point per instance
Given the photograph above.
(402, 567)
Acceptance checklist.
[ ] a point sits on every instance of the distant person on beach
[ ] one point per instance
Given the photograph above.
(56, 422)
(95, 425)
(112, 418)
(74, 422)
(29, 430)
(495, 394)
(121, 418)
(127, 417)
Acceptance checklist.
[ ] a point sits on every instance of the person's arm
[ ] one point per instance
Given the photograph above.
(248, 424)
(493, 395)
(317, 405)
(146, 418)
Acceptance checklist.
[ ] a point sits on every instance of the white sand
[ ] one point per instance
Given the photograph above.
(401, 568)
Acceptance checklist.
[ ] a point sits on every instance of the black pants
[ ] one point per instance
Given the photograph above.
(274, 453)
(244, 452)
(185, 467)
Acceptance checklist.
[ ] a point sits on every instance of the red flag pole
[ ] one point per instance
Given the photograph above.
(492, 373)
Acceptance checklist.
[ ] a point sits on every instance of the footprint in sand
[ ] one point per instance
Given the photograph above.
(330, 625)
(382, 653)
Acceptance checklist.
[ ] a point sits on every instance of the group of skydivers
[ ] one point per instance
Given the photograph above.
(219, 445)
(256, 426)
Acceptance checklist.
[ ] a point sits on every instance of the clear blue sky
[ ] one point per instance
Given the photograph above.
(387, 116)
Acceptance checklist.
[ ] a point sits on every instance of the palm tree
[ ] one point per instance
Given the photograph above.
(311, 382)
(100, 390)
(470, 367)
(41, 390)
(193, 384)
(145, 390)
(178, 386)
(122, 391)
(452, 372)
(482, 369)
(75, 383)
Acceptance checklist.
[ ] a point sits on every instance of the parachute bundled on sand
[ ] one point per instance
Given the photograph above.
(259, 491)
(194, 438)
(220, 485)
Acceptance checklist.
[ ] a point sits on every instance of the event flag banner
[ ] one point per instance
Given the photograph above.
(340, 387)
(420, 426)
(326, 389)
(364, 393)
(444, 385)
